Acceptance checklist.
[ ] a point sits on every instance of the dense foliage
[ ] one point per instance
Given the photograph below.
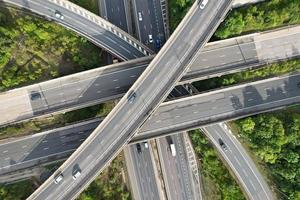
(16, 191)
(262, 16)
(91, 5)
(213, 168)
(32, 49)
(109, 185)
(257, 17)
(275, 140)
(177, 10)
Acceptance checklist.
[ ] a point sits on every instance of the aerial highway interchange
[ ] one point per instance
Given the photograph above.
(285, 94)
(106, 83)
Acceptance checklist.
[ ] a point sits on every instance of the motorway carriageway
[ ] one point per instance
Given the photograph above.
(102, 84)
(173, 116)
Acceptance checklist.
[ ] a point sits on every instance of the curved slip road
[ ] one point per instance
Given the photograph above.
(91, 26)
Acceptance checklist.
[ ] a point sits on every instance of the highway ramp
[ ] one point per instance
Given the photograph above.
(87, 24)
(239, 162)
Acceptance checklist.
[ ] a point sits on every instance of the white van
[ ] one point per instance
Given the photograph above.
(173, 149)
(58, 178)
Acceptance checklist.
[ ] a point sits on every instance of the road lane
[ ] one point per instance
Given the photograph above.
(98, 85)
(89, 25)
(152, 86)
(240, 162)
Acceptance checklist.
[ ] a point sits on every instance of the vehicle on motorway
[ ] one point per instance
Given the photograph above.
(173, 149)
(222, 144)
(146, 145)
(131, 97)
(58, 178)
(298, 85)
(76, 174)
(150, 38)
(157, 43)
(139, 148)
(203, 4)
(140, 16)
(34, 95)
(59, 15)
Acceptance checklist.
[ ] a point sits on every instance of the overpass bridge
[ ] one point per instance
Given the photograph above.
(171, 117)
(106, 83)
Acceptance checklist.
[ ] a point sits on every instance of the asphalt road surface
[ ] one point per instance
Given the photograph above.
(179, 179)
(38, 148)
(99, 85)
(221, 105)
(150, 89)
(115, 12)
(59, 143)
(149, 21)
(240, 162)
(142, 172)
(89, 25)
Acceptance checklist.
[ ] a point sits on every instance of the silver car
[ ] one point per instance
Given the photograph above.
(203, 4)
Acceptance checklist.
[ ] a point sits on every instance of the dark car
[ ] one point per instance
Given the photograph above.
(131, 97)
(139, 148)
(157, 43)
(35, 95)
(222, 144)
(298, 85)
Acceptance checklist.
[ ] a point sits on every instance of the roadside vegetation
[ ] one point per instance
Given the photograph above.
(33, 50)
(177, 10)
(59, 120)
(274, 139)
(257, 17)
(268, 71)
(17, 191)
(222, 185)
(109, 185)
(91, 5)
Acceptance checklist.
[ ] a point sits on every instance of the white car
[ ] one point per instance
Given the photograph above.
(150, 39)
(203, 4)
(58, 178)
(76, 174)
(146, 145)
(140, 16)
(59, 15)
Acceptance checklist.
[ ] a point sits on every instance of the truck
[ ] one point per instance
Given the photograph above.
(173, 149)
